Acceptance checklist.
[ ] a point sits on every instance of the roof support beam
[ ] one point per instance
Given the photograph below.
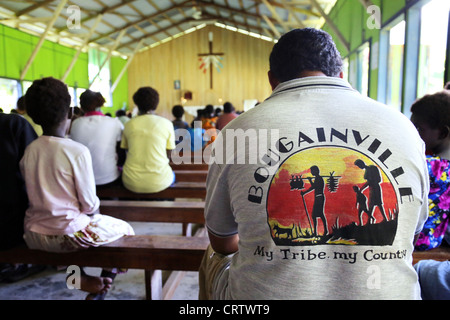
(156, 32)
(82, 46)
(106, 9)
(293, 15)
(33, 7)
(111, 50)
(294, 8)
(122, 72)
(272, 26)
(275, 15)
(331, 24)
(131, 24)
(42, 38)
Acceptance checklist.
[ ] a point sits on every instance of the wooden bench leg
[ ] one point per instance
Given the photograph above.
(187, 229)
(153, 285)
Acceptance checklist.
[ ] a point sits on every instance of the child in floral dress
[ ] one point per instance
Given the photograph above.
(431, 116)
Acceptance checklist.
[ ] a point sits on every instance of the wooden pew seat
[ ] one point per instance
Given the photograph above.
(189, 166)
(191, 175)
(149, 253)
(177, 190)
(441, 253)
(155, 211)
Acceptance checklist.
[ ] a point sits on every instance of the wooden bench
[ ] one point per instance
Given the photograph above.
(150, 253)
(190, 166)
(178, 190)
(191, 175)
(441, 253)
(185, 212)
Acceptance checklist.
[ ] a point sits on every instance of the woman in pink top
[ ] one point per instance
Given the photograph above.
(63, 213)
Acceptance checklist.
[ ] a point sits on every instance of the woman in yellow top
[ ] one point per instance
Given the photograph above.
(148, 139)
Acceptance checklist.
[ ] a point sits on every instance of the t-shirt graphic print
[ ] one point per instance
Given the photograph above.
(331, 195)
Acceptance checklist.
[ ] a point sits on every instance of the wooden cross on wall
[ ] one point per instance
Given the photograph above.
(210, 59)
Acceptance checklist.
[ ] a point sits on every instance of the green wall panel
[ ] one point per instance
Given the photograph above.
(52, 60)
(351, 18)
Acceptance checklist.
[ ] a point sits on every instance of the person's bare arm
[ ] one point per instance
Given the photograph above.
(226, 245)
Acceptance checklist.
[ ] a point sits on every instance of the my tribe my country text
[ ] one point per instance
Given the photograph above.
(368, 255)
(228, 309)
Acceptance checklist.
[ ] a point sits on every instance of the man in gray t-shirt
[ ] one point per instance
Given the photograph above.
(271, 236)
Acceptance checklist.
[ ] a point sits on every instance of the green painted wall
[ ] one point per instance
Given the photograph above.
(52, 60)
(351, 18)
(120, 94)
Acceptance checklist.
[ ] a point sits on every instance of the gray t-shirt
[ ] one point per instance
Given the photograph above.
(326, 190)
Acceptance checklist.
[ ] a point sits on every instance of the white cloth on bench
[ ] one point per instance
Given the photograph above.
(101, 230)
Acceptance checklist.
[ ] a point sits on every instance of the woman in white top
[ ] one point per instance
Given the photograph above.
(101, 134)
(63, 213)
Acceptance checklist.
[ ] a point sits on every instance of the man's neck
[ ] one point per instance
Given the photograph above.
(305, 74)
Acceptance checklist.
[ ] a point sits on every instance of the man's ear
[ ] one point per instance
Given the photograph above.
(341, 75)
(272, 80)
(444, 132)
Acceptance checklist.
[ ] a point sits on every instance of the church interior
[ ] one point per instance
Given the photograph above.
(196, 53)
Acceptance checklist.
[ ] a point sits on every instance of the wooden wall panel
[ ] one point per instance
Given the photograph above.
(243, 76)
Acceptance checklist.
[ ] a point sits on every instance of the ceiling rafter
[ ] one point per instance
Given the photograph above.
(150, 22)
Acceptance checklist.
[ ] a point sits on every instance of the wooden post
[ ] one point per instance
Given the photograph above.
(85, 42)
(122, 72)
(116, 43)
(331, 24)
(153, 284)
(41, 40)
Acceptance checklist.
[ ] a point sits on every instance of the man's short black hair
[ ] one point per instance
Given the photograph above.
(301, 50)
(178, 111)
(146, 99)
(434, 109)
(90, 100)
(228, 107)
(47, 102)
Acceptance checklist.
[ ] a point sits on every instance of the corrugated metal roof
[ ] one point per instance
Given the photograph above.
(123, 25)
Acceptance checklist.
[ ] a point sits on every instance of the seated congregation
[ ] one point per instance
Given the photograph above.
(52, 195)
(71, 188)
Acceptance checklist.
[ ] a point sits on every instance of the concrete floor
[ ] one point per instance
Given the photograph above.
(50, 284)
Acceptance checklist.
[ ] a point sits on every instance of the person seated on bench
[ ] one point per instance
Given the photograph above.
(431, 116)
(101, 135)
(149, 139)
(63, 213)
(268, 242)
(434, 279)
(16, 133)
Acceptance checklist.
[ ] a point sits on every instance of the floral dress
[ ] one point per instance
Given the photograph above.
(439, 204)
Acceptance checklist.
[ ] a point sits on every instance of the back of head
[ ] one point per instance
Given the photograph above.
(178, 111)
(146, 99)
(228, 107)
(48, 102)
(90, 100)
(21, 105)
(304, 50)
(434, 109)
(120, 113)
(209, 109)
